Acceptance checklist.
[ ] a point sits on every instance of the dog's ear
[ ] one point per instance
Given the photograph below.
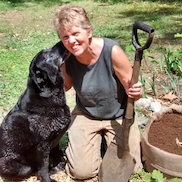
(36, 74)
(38, 78)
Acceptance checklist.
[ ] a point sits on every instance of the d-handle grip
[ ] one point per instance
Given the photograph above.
(146, 28)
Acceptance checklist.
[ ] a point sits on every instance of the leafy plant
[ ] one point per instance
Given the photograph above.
(155, 176)
(158, 176)
(175, 180)
(173, 61)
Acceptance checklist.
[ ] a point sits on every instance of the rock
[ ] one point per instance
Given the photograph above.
(155, 107)
(142, 120)
(143, 103)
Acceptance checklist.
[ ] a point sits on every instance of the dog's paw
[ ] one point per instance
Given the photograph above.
(59, 167)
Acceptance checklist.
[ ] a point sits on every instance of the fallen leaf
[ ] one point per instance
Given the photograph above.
(170, 96)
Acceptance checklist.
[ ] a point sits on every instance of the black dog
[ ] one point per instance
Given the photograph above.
(39, 119)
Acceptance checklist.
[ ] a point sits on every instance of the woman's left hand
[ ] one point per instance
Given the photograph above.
(136, 91)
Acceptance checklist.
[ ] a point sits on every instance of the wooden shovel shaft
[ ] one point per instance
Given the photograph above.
(129, 120)
(134, 79)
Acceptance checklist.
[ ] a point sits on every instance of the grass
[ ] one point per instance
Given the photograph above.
(26, 28)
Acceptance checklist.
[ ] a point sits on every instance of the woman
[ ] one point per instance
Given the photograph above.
(100, 73)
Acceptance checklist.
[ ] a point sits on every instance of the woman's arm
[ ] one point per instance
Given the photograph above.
(123, 71)
(67, 79)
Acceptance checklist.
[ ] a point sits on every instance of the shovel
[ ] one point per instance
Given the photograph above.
(118, 164)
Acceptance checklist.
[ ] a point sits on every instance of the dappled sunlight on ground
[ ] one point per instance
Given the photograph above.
(59, 177)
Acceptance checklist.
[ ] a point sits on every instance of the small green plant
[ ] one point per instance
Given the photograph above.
(158, 61)
(142, 79)
(173, 80)
(166, 87)
(152, 84)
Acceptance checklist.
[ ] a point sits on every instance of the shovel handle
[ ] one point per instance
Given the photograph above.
(138, 57)
(146, 28)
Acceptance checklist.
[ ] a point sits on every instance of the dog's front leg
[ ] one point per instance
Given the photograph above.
(44, 174)
(43, 163)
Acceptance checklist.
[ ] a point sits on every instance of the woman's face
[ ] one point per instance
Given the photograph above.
(75, 39)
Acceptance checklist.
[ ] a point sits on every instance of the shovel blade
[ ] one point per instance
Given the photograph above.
(114, 167)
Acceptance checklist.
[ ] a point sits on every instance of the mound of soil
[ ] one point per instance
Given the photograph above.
(166, 133)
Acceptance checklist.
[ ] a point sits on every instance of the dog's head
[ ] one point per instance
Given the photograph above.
(44, 70)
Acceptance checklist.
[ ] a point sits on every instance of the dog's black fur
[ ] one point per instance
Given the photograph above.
(39, 119)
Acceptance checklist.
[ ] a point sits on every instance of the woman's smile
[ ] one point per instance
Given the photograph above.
(75, 47)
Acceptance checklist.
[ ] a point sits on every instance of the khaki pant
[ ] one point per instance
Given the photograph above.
(84, 147)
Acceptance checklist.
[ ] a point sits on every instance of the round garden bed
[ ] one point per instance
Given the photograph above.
(162, 142)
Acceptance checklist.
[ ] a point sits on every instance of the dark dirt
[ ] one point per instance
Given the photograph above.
(163, 133)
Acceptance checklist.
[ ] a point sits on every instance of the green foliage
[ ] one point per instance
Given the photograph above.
(173, 61)
(15, 61)
(155, 176)
(129, 48)
(178, 35)
(14, 73)
(63, 143)
(171, 64)
(158, 176)
(175, 180)
(15, 3)
(129, 1)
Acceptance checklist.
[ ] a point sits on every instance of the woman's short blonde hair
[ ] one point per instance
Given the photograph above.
(69, 15)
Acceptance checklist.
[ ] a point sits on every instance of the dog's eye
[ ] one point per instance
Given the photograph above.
(38, 72)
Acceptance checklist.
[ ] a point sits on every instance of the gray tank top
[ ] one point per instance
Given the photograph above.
(99, 93)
